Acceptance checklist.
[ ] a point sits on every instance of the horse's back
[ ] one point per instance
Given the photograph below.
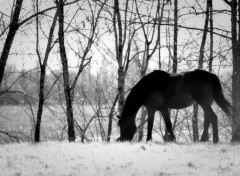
(152, 81)
(198, 77)
(199, 74)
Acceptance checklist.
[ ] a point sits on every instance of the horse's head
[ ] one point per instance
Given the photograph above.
(127, 129)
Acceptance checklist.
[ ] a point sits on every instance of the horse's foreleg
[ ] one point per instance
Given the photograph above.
(168, 123)
(151, 113)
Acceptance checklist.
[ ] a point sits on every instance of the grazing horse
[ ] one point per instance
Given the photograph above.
(160, 90)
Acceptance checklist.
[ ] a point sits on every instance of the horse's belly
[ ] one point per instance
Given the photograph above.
(180, 101)
(155, 100)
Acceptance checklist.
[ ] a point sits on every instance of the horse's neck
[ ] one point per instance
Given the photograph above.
(136, 98)
(131, 107)
(128, 111)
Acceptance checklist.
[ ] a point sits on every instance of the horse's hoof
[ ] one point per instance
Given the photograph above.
(149, 139)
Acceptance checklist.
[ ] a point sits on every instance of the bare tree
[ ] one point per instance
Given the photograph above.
(200, 66)
(66, 81)
(211, 35)
(175, 37)
(235, 11)
(120, 38)
(86, 40)
(14, 25)
(43, 65)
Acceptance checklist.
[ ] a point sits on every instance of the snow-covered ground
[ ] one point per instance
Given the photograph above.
(63, 158)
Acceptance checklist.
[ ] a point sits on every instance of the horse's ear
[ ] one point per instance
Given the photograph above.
(119, 117)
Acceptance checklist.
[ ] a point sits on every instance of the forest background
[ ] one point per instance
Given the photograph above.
(67, 66)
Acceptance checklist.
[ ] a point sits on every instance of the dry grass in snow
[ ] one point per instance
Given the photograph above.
(55, 158)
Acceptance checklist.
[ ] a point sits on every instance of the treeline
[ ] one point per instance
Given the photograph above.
(22, 86)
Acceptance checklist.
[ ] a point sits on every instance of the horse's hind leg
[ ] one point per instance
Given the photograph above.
(151, 113)
(168, 122)
(210, 117)
(206, 125)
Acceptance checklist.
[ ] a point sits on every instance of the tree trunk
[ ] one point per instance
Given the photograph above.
(40, 106)
(121, 89)
(66, 82)
(195, 123)
(142, 122)
(14, 25)
(200, 66)
(211, 36)
(236, 93)
(175, 37)
(111, 119)
(42, 79)
(236, 73)
(202, 47)
(119, 44)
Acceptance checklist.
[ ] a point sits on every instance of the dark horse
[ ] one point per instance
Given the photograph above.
(160, 90)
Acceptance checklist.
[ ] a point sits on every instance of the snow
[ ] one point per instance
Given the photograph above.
(63, 158)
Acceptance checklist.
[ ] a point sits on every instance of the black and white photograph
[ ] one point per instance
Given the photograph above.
(119, 87)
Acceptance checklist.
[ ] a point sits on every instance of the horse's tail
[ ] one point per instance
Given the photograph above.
(219, 97)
